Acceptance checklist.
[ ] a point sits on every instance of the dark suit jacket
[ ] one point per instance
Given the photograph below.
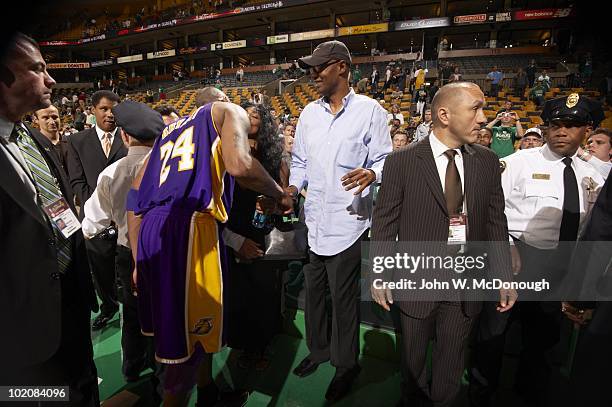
(60, 151)
(412, 207)
(86, 160)
(30, 290)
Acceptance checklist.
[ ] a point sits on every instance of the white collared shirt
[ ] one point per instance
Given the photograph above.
(533, 189)
(438, 148)
(108, 202)
(603, 167)
(6, 128)
(328, 146)
(101, 134)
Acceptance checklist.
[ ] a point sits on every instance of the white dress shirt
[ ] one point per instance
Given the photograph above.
(108, 201)
(438, 148)
(101, 134)
(603, 167)
(12, 152)
(533, 189)
(328, 146)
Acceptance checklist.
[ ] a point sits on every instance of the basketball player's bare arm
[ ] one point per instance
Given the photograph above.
(234, 124)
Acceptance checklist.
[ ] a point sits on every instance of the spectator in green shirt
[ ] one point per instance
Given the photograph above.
(356, 75)
(506, 133)
(537, 93)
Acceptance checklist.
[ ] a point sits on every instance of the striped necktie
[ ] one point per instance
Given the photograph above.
(107, 144)
(47, 188)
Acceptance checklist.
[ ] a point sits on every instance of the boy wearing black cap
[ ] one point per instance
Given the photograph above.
(139, 127)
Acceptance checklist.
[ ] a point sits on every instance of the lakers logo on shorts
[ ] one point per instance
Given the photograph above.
(202, 327)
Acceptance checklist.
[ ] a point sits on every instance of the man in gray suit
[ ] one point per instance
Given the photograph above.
(425, 186)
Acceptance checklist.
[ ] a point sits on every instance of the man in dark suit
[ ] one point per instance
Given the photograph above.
(90, 152)
(46, 294)
(591, 277)
(50, 125)
(425, 186)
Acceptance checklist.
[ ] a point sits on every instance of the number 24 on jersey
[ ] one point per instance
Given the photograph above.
(183, 148)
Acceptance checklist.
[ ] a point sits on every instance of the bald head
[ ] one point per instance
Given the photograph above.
(450, 95)
(209, 94)
(457, 111)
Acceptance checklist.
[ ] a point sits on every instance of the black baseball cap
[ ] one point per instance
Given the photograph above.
(138, 120)
(325, 52)
(573, 108)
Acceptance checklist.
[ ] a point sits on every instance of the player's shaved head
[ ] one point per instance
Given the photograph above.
(209, 94)
(450, 95)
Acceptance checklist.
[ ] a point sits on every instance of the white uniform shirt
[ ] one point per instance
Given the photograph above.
(533, 191)
(107, 203)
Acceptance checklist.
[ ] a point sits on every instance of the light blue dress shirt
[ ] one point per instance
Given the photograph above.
(328, 146)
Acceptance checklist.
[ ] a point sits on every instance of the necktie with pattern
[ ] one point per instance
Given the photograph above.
(452, 185)
(107, 144)
(47, 188)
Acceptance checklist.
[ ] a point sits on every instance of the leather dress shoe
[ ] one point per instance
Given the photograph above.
(101, 321)
(341, 383)
(305, 368)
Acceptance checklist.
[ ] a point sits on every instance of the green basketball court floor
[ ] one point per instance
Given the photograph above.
(377, 385)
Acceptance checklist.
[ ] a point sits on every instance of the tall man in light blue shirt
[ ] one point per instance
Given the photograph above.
(495, 76)
(340, 147)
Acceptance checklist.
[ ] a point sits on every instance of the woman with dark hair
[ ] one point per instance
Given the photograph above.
(253, 312)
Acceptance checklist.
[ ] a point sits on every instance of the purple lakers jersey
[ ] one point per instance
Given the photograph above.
(183, 196)
(185, 169)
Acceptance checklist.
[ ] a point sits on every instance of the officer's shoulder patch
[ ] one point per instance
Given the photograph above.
(502, 165)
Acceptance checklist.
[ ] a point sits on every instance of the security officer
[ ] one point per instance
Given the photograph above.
(548, 192)
(140, 126)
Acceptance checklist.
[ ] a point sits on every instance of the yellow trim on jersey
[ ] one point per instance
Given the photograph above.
(217, 173)
(204, 290)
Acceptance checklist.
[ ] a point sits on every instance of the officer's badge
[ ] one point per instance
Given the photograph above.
(572, 100)
(202, 327)
(502, 165)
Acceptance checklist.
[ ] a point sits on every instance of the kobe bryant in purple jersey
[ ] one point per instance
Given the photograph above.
(182, 200)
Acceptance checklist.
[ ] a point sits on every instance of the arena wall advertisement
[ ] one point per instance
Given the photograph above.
(423, 23)
(161, 54)
(277, 39)
(363, 29)
(312, 35)
(543, 14)
(103, 62)
(68, 65)
(131, 58)
(474, 19)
